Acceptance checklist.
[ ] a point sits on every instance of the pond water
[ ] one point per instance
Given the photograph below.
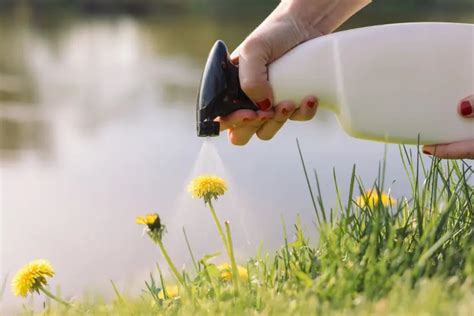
(97, 125)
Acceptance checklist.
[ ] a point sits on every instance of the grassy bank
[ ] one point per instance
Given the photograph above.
(377, 254)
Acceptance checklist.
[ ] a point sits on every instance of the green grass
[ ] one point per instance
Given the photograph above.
(415, 257)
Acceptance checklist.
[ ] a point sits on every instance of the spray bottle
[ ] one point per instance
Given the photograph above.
(396, 83)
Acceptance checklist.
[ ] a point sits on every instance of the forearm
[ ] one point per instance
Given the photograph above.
(322, 16)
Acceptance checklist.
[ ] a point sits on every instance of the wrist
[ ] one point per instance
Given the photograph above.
(307, 14)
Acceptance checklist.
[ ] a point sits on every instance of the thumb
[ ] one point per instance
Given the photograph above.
(253, 59)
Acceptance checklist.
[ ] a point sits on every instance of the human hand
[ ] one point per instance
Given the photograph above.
(458, 150)
(291, 23)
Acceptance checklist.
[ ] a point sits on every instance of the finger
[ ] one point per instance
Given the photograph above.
(282, 112)
(341, 13)
(236, 118)
(253, 60)
(466, 106)
(241, 135)
(459, 150)
(234, 56)
(235, 60)
(307, 109)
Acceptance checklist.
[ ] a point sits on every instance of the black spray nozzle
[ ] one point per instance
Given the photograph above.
(220, 93)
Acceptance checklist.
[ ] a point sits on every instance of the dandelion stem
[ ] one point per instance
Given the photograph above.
(235, 271)
(219, 226)
(53, 297)
(170, 262)
(227, 240)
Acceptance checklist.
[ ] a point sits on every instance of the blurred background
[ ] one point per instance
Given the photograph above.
(97, 102)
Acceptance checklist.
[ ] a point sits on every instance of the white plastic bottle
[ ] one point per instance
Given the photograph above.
(391, 83)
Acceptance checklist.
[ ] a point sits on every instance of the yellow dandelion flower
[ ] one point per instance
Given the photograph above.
(152, 221)
(371, 199)
(32, 277)
(207, 187)
(225, 271)
(148, 219)
(172, 291)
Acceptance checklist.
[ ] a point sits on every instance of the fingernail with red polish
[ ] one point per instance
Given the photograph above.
(311, 103)
(264, 105)
(466, 108)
